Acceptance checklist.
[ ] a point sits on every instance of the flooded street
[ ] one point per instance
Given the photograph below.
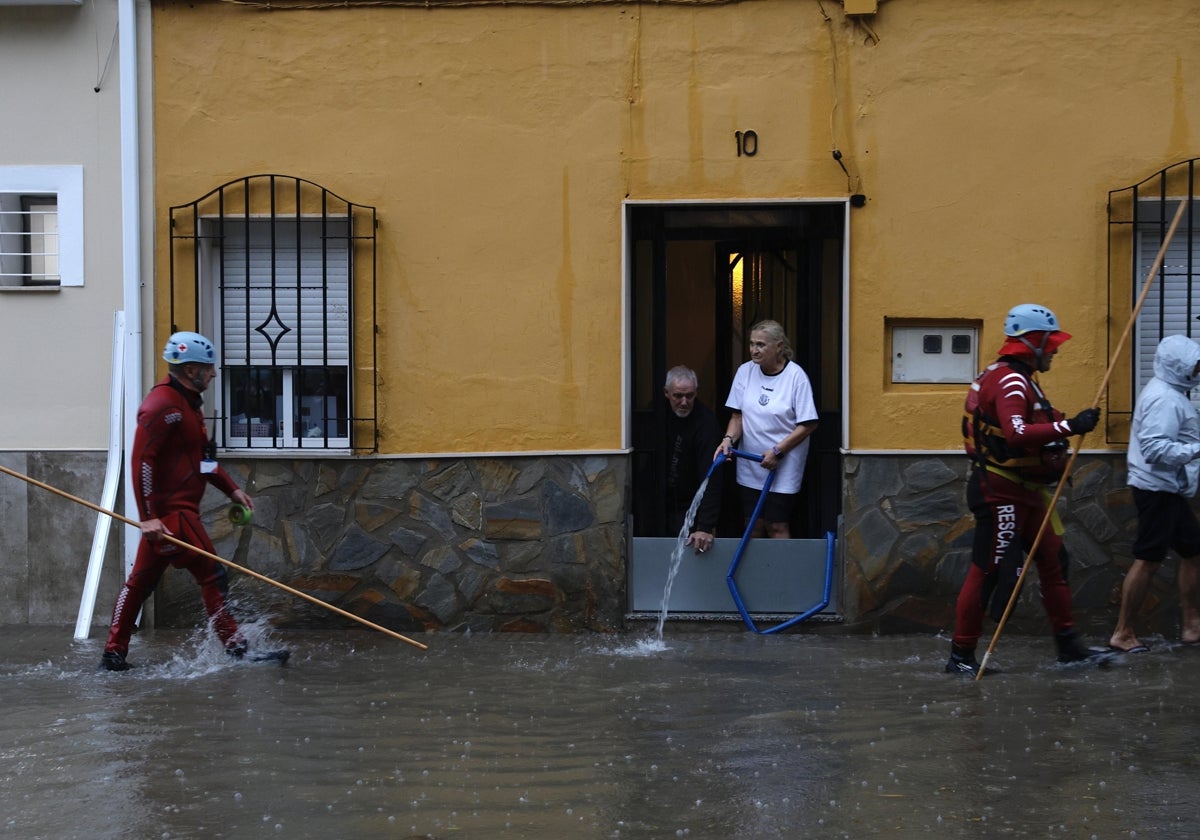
(721, 734)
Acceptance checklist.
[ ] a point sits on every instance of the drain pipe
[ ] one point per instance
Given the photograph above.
(112, 478)
(131, 250)
(131, 337)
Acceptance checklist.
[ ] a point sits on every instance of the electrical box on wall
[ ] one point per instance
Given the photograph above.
(935, 353)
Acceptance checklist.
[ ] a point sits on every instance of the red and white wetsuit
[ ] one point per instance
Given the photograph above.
(1008, 421)
(168, 445)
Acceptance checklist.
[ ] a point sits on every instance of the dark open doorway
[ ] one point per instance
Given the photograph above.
(700, 276)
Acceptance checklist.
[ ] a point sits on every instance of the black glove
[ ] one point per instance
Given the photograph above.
(1084, 421)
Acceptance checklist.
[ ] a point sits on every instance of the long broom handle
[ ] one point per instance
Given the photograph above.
(218, 559)
(1012, 599)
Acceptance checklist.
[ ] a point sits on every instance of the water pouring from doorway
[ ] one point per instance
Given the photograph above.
(676, 556)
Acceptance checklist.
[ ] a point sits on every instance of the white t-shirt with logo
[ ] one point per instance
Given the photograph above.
(772, 407)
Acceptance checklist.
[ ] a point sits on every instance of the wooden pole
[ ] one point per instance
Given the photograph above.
(218, 559)
(1012, 600)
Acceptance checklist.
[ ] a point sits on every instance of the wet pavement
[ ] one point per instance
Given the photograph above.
(719, 734)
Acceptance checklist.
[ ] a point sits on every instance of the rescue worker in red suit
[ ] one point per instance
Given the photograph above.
(1017, 442)
(171, 466)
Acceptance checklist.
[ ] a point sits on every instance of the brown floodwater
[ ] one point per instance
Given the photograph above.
(714, 734)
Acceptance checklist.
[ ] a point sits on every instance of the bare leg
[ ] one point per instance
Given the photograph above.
(759, 529)
(779, 531)
(1189, 580)
(1133, 592)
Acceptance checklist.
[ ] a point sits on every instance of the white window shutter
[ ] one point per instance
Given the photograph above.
(308, 293)
(1167, 309)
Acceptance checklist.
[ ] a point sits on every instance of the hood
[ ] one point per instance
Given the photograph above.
(1175, 359)
(1019, 345)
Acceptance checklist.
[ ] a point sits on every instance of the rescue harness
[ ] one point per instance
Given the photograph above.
(984, 440)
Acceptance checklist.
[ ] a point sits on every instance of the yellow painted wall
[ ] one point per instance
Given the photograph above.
(990, 134)
(498, 144)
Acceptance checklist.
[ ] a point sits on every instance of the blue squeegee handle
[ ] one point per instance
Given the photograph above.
(733, 453)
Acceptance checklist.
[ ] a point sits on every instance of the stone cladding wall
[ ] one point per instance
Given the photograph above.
(539, 544)
(907, 545)
(487, 544)
(46, 539)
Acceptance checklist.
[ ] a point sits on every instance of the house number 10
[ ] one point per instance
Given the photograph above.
(747, 143)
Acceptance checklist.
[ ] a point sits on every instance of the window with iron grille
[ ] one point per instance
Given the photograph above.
(280, 272)
(1140, 219)
(41, 227)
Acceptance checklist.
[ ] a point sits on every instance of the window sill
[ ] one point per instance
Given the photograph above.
(31, 289)
(306, 452)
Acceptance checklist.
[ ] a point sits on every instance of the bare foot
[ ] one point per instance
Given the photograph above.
(1126, 642)
(1189, 633)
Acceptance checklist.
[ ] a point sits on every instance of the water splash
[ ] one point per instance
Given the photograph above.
(635, 649)
(647, 647)
(676, 555)
(203, 653)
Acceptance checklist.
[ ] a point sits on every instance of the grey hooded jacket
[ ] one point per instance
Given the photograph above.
(1165, 438)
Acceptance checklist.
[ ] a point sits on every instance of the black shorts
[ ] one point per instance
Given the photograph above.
(777, 507)
(1165, 520)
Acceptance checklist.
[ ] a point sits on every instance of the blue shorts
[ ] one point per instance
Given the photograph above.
(1165, 520)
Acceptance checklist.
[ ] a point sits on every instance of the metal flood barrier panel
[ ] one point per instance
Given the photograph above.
(774, 577)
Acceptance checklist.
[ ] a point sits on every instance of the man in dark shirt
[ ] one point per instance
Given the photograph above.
(692, 438)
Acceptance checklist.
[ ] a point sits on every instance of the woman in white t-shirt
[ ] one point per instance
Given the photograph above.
(773, 413)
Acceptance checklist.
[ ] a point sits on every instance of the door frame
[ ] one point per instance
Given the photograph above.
(627, 328)
(630, 234)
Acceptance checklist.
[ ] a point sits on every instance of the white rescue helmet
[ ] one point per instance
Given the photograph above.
(184, 347)
(1029, 317)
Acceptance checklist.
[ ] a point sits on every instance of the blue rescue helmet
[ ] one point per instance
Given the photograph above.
(184, 347)
(1029, 317)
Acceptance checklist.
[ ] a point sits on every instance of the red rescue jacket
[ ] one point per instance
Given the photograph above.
(168, 445)
(1008, 423)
